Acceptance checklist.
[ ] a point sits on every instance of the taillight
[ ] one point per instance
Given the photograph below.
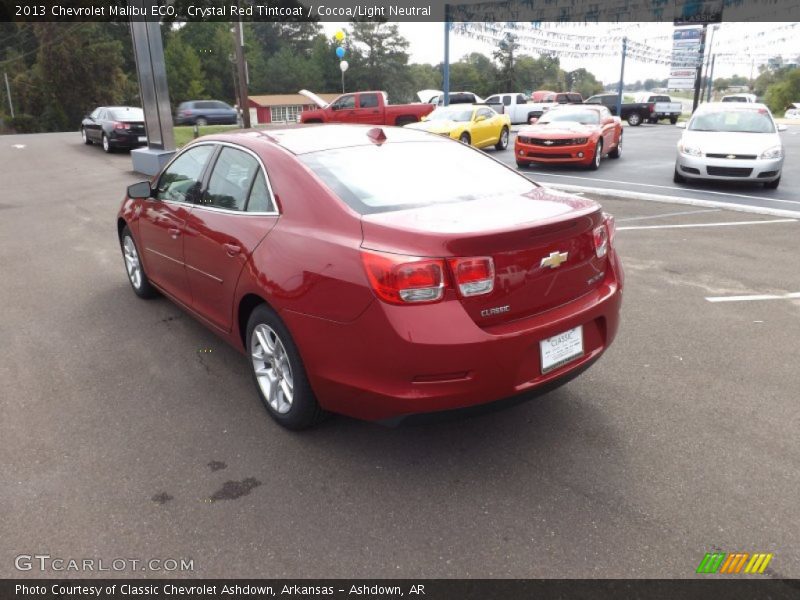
(399, 279)
(604, 235)
(118, 125)
(652, 108)
(473, 276)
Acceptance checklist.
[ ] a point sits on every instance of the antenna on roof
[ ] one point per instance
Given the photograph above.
(377, 135)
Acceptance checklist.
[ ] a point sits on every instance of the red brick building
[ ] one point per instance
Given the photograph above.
(281, 108)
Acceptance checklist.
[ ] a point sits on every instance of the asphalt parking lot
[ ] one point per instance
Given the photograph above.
(129, 430)
(647, 164)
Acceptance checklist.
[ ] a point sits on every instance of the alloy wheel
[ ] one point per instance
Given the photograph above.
(132, 263)
(272, 368)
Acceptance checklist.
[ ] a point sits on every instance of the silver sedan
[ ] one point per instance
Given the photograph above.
(731, 142)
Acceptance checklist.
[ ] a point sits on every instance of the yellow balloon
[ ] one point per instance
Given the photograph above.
(339, 35)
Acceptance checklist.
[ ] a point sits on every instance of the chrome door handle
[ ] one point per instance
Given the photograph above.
(174, 232)
(232, 249)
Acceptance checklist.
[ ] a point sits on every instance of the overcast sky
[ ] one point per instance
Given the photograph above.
(744, 45)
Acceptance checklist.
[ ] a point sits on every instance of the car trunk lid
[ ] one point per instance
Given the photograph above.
(542, 245)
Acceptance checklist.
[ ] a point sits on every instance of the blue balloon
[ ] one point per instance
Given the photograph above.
(340, 52)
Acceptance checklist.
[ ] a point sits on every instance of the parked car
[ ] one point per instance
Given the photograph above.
(731, 142)
(356, 267)
(512, 104)
(664, 107)
(570, 135)
(749, 98)
(551, 100)
(473, 124)
(793, 112)
(206, 112)
(114, 127)
(539, 95)
(366, 108)
(455, 98)
(635, 113)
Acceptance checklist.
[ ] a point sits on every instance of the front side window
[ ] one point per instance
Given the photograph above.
(486, 112)
(96, 114)
(345, 102)
(180, 182)
(493, 100)
(230, 180)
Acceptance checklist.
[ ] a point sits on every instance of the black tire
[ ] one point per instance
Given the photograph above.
(598, 155)
(85, 137)
(313, 121)
(107, 145)
(465, 139)
(522, 164)
(403, 121)
(677, 177)
(143, 289)
(673, 120)
(502, 143)
(617, 151)
(201, 121)
(304, 411)
(634, 119)
(773, 185)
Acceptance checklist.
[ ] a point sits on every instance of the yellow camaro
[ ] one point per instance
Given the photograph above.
(474, 124)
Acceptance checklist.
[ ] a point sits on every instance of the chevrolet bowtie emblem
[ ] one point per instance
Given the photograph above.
(555, 260)
(731, 156)
(549, 142)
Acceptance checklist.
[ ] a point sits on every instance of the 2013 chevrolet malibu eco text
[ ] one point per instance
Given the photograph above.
(376, 272)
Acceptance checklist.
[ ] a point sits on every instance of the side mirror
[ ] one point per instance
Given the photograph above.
(782, 127)
(140, 191)
(480, 118)
(533, 120)
(681, 125)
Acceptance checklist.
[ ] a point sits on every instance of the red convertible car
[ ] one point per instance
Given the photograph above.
(579, 134)
(375, 272)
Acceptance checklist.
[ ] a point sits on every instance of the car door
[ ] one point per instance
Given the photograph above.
(92, 125)
(343, 109)
(368, 111)
(235, 212)
(162, 222)
(607, 128)
(483, 130)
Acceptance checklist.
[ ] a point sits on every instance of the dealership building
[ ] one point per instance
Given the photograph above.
(281, 108)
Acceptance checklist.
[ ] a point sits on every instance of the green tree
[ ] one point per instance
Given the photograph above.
(379, 59)
(184, 73)
(213, 43)
(505, 55)
(425, 77)
(780, 95)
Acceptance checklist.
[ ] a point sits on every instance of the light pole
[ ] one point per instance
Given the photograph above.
(621, 76)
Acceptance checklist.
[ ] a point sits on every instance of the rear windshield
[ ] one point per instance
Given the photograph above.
(741, 121)
(127, 114)
(397, 176)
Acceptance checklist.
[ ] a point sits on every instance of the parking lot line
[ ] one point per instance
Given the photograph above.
(792, 296)
(672, 214)
(669, 187)
(724, 224)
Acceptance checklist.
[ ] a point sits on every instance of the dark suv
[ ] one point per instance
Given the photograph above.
(205, 112)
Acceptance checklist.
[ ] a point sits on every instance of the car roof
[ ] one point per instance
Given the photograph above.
(733, 106)
(304, 139)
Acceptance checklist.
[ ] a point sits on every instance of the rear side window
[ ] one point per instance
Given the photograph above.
(260, 198)
(507, 100)
(368, 100)
(229, 185)
(204, 105)
(181, 180)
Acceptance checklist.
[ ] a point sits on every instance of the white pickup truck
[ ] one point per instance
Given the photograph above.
(665, 108)
(513, 104)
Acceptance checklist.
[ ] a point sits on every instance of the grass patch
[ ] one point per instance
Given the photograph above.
(185, 133)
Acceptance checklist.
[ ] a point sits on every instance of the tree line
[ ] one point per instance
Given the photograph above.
(58, 72)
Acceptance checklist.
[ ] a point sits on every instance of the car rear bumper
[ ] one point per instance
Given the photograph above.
(127, 140)
(397, 361)
(583, 154)
(722, 169)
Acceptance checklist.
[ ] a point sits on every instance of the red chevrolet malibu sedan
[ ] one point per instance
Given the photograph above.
(578, 134)
(375, 272)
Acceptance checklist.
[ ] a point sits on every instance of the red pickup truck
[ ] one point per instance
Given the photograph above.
(369, 108)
